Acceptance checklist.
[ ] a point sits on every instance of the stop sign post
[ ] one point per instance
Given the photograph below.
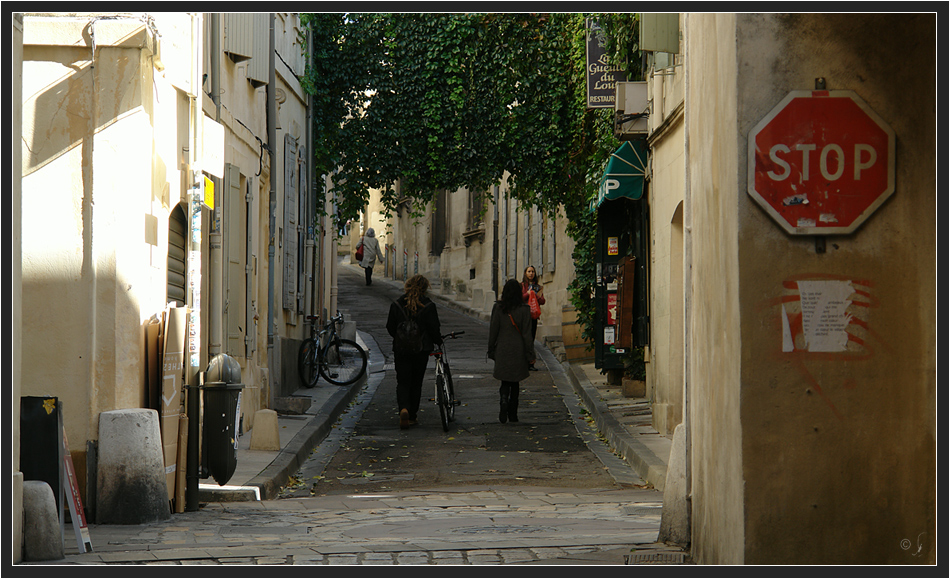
(821, 162)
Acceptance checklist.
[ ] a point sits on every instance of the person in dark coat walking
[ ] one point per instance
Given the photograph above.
(511, 346)
(411, 365)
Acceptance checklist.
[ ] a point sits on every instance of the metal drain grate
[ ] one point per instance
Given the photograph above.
(643, 511)
(503, 529)
(655, 559)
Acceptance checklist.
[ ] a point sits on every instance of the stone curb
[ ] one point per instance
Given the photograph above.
(647, 464)
(299, 448)
(292, 455)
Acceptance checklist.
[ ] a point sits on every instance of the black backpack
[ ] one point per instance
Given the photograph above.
(409, 334)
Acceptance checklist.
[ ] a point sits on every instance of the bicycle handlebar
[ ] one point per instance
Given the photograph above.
(453, 335)
(312, 320)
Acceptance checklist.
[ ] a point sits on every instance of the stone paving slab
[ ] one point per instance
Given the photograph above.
(565, 528)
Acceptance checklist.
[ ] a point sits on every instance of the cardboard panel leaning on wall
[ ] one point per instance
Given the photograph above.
(171, 402)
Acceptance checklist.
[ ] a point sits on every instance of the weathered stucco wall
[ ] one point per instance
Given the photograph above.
(87, 165)
(15, 504)
(838, 448)
(665, 372)
(714, 339)
(666, 278)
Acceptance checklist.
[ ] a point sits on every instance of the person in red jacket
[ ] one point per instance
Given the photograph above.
(530, 283)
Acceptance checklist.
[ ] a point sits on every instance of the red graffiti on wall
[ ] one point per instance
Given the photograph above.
(824, 317)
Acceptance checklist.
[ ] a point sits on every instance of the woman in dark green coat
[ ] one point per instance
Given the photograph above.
(511, 346)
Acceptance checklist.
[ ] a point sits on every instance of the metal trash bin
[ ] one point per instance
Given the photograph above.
(222, 389)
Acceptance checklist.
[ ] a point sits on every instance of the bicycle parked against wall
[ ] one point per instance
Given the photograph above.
(444, 390)
(340, 361)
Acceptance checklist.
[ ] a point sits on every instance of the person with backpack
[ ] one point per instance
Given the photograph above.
(511, 346)
(414, 326)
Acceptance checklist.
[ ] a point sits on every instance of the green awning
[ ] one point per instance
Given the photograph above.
(624, 174)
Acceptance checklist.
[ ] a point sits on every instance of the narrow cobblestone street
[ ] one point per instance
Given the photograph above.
(544, 491)
(450, 526)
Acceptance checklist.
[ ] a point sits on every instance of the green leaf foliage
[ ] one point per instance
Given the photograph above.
(443, 101)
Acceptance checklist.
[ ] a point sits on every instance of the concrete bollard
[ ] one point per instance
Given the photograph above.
(478, 298)
(131, 479)
(674, 520)
(42, 536)
(266, 433)
(348, 331)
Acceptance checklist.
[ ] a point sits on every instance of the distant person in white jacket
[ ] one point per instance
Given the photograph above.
(370, 246)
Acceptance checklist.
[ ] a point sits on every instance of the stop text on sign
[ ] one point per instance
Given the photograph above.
(821, 162)
(864, 158)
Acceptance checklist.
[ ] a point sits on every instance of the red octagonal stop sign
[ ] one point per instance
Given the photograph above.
(821, 162)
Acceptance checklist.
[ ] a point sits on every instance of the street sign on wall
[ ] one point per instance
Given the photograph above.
(602, 77)
(821, 162)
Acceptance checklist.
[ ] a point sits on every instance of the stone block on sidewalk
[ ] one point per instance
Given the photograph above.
(634, 388)
(489, 301)
(478, 298)
(42, 538)
(348, 331)
(292, 404)
(131, 476)
(674, 522)
(266, 433)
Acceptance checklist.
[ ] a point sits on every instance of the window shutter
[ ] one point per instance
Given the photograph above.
(235, 244)
(438, 222)
(548, 245)
(526, 241)
(536, 259)
(303, 221)
(251, 335)
(259, 67)
(238, 36)
(289, 286)
(177, 252)
(660, 32)
(513, 213)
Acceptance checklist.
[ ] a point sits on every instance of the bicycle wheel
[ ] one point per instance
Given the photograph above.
(442, 400)
(307, 362)
(342, 362)
(449, 388)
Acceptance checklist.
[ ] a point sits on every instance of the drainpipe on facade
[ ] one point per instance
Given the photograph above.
(272, 221)
(90, 274)
(494, 246)
(312, 225)
(687, 285)
(214, 238)
(310, 222)
(333, 260)
(193, 351)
